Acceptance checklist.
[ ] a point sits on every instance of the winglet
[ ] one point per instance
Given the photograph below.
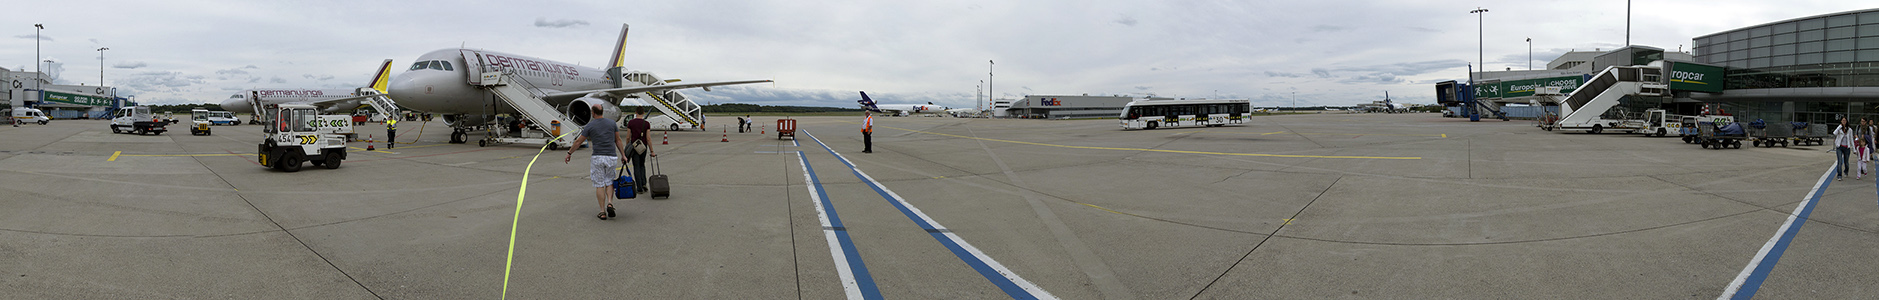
(619, 50)
(382, 78)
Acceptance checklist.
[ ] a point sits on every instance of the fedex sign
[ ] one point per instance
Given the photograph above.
(1050, 102)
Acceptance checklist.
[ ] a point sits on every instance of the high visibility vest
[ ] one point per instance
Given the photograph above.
(391, 124)
(867, 126)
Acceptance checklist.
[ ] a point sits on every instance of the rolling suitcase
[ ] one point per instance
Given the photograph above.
(656, 184)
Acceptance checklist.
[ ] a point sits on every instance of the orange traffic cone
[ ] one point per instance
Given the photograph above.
(662, 139)
(368, 143)
(763, 129)
(727, 135)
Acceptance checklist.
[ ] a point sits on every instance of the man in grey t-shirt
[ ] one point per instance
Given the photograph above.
(605, 158)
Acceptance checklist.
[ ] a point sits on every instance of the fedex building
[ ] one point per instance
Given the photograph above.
(1067, 106)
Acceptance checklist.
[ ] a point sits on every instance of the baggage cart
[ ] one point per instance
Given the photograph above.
(1715, 136)
(786, 127)
(1773, 135)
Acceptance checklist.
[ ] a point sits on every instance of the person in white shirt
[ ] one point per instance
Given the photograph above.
(1842, 143)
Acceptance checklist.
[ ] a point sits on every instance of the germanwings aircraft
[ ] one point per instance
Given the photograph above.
(438, 83)
(902, 109)
(329, 100)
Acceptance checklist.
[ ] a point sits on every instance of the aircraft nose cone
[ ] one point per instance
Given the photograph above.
(236, 105)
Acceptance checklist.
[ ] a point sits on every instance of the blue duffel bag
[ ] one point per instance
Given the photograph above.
(623, 186)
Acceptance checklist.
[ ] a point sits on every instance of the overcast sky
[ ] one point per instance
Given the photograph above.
(821, 52)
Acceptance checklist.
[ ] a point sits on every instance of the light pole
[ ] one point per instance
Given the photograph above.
(975, 99)
(101, 65)
(1481, 20)
(988, 80)
(1294, 101)
(38, 27)
(1529, 54)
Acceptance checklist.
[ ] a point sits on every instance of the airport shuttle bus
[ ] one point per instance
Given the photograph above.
(1151, 114)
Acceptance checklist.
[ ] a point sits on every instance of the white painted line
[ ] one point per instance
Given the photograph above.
(1782, 236)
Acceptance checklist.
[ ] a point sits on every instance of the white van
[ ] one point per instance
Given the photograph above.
(30, 115)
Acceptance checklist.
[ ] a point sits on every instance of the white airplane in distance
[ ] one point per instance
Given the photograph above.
(438, 83)
(902, 109)
(1391, 106)
(347, 99)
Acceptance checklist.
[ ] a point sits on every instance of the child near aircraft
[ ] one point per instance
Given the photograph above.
(1865, 157)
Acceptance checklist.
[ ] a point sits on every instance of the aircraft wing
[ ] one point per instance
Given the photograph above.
(623, 92)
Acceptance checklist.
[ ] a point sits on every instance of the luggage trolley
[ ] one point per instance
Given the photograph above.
(786, 127)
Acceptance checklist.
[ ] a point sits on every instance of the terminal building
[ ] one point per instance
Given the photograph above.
(1807, 69)
(33, 90)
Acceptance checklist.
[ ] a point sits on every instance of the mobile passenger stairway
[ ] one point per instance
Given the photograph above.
(669, 102)
(1586, 108)
(527, 100)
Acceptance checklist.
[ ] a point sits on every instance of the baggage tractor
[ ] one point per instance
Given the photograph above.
(657, 184)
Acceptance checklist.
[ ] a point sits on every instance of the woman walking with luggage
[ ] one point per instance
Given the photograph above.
(640, 147)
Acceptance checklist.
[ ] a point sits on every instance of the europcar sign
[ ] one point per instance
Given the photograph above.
(76, 99)
(1523, 88)
(1695, 77)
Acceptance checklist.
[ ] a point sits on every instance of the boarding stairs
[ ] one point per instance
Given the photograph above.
(527, 101)
(670, 102)
(1588, 104)
(380, 102)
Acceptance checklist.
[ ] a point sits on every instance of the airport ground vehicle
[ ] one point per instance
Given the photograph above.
(1813, 134)
(1151, 114)
(29, 115)
(1720, 135)
(786, 127)
(1770, 135)
(295, 137)
(136, 119)
(199, 122)
(216, 117)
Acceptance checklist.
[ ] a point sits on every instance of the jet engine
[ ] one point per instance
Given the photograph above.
(581, 109)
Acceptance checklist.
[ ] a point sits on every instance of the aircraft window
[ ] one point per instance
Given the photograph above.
(420, 65)
(446, 65)
(437, 65)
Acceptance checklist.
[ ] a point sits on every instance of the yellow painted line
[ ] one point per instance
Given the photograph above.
(181, 155)
(1158, 150)
(363, 150)
(1288, 221)
(1445, 135)
(114, 156)
(1272, 133)
(1104, 209)
(1382, 134)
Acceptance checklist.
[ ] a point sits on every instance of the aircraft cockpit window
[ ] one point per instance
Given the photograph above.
(446, 65)
(437, 65)
(420, 65)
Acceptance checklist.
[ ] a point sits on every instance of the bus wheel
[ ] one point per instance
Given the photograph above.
(1151, 125)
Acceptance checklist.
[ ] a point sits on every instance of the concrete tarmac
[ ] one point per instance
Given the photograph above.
(1291, 206)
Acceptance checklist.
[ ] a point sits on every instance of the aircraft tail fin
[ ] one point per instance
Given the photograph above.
(867, 103)
(619, 50)
(382, 78)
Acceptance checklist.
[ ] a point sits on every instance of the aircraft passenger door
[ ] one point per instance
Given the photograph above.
(473, 66)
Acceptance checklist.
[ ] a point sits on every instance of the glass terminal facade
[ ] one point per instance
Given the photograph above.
(1807, 69)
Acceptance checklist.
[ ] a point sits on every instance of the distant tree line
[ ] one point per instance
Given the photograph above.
(741, 107)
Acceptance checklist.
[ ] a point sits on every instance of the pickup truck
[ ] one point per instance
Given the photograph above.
(138, 120)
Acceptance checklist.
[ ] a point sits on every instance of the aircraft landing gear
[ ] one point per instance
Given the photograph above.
(457, 137)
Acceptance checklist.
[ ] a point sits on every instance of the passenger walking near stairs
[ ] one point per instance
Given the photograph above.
(867, 134)
(605, 158)
(639, 146)
(1842, 143)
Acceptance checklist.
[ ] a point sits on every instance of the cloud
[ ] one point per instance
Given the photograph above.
(1283, 74)
(1125, 20)
(562, 23)
(1025, 88)
(29, 36)
(254, 80)
(1143, 87)
(93, 41)
(157, 81)
(1321, 72)
(251, 67)
(1328, 28)
(276, 79)
(130, 65)
(228, 72)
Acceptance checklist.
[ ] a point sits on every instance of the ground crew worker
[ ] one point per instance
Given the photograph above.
(867, 134)
(391, 132)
